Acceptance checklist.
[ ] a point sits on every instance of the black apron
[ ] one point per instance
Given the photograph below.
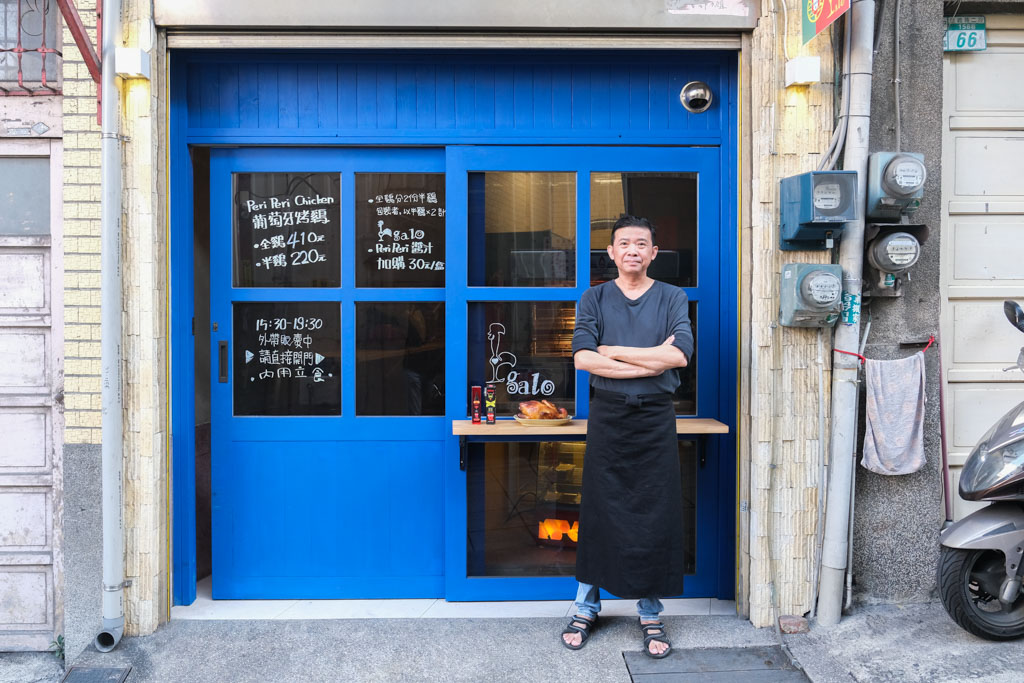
(631, 513)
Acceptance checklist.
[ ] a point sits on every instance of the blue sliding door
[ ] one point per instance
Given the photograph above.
(328, 317)
(528, 231)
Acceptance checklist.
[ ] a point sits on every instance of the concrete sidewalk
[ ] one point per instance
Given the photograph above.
(882, 643)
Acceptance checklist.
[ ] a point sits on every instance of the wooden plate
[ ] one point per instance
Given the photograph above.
(528, 422)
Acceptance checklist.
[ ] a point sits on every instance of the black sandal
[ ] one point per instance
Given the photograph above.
(655, 631)
(584, 629)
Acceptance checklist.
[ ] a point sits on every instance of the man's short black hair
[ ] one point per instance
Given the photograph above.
(628, 221)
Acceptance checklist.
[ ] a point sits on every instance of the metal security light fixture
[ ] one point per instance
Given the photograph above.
(696, 97)
(131, 62)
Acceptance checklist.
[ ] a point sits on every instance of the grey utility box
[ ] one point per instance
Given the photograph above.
(895, 184)
(810, 294)
(813, 208)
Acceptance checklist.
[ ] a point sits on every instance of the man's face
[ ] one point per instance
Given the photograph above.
(631, 250)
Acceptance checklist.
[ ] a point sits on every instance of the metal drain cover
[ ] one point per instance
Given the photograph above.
(96, 674)
(763, 664)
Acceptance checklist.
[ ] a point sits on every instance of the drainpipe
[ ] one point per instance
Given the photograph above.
(110, 328)
(844, 366)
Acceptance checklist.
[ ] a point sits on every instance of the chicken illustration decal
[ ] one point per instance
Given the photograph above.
(503, 370)
(499, 359)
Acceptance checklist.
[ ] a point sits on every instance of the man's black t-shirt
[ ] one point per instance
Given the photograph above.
(607, 317)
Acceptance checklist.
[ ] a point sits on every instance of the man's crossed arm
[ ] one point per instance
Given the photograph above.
(626, 362)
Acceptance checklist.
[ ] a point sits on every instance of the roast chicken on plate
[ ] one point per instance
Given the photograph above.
(542, 410)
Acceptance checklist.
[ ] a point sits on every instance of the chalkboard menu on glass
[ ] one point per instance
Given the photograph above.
(400, 220)
(287, 229)
(287, 358)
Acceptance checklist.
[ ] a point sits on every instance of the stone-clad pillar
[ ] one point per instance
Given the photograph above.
(145, 276)
(790, 129)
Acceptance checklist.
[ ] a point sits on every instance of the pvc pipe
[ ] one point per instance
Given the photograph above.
(848, 590)
(110, 327)
(844, 372)
(819, 536)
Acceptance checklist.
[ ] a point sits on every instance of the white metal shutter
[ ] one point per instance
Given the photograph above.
(982, 236)
(31, 426)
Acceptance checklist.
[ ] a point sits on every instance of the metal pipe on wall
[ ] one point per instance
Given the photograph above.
(110, 329)
(847, 337)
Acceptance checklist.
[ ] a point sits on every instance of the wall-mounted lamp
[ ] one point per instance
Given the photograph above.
(803, 71)
(131, 62)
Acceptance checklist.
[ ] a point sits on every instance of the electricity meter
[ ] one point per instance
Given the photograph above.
(895, 252)
(813, 208)
(895, 184)
(810, 294)
(892, 249)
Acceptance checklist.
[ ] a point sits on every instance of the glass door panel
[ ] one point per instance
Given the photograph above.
(523, 348)
(400, 235)
(287, 229)
(667, 200)
(523, 507)
(400, 358)
(522, 229)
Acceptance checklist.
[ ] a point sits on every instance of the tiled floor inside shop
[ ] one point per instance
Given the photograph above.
(207, 608)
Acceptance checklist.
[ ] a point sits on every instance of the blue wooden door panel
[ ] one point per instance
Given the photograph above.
(529, 94)
(315, 495)
(342, 506)
(462, 160)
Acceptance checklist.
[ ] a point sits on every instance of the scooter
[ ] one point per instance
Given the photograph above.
(981, 562)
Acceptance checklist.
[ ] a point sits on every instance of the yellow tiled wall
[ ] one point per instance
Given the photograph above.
(81, 197)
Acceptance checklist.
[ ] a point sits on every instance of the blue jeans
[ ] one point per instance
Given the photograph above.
(588, 604)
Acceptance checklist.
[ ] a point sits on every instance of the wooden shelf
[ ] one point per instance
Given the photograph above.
(508, 427)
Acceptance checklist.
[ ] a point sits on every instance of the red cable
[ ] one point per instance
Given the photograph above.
(931, 340)
(851, 353)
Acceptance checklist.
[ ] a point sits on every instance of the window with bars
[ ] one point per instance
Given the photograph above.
(30, 55)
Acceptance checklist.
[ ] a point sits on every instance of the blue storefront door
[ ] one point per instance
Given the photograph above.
(528, 230)
(353, 312)
(328, 370)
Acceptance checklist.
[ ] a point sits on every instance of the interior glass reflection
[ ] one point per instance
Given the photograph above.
(522, 229)
(400, 358)
(523, 507)
(668, 200)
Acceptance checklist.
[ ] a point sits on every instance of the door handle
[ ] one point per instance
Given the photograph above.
(222, 361)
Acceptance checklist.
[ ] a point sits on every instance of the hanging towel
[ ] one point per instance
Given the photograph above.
(894, 433)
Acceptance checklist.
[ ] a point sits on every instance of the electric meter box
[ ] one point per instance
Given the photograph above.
(813, 208)
(892, 250)
(810, 294)
(895, 184)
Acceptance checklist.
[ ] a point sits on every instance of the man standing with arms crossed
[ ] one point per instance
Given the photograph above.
(631, 333)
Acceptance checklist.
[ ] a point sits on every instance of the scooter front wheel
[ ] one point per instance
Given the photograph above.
(969, 583)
